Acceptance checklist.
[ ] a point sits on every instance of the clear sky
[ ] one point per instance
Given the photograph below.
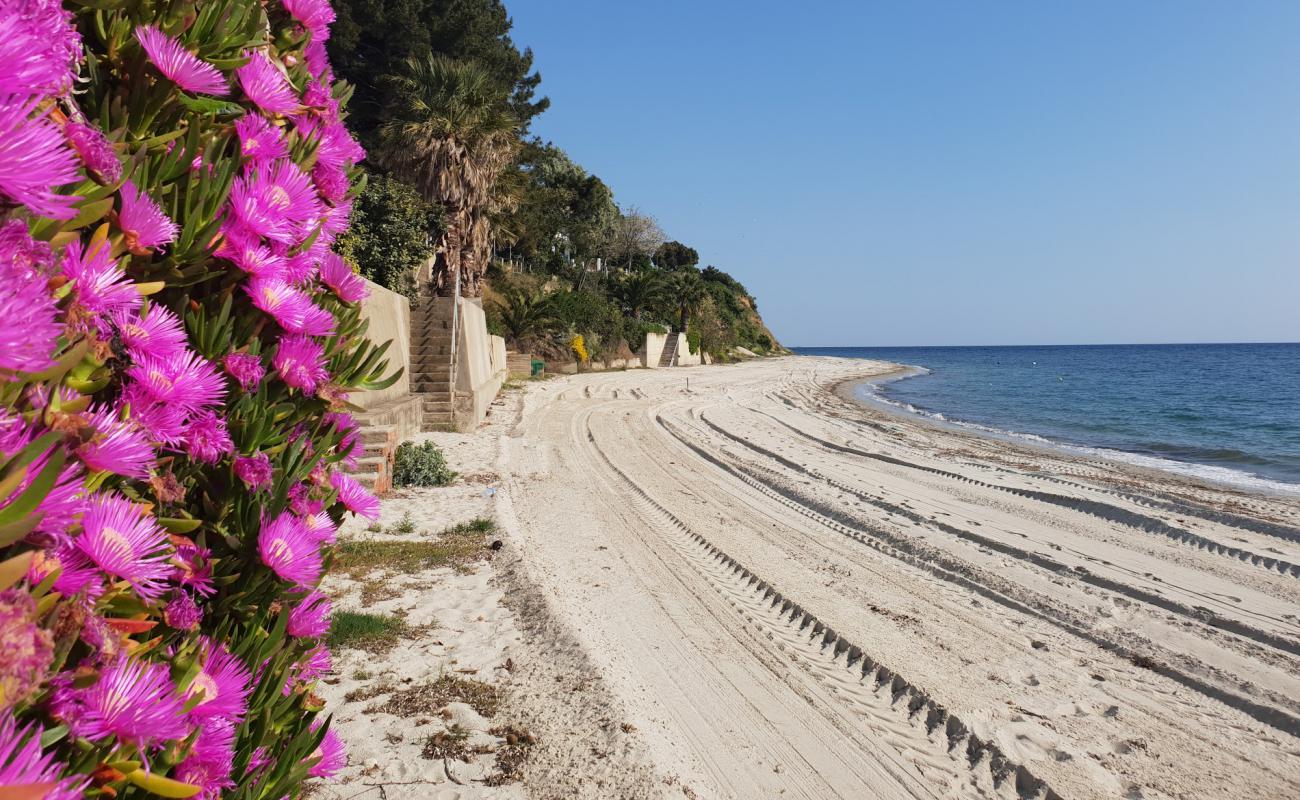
(926, 173)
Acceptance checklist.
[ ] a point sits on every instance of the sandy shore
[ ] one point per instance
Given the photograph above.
(750, 586)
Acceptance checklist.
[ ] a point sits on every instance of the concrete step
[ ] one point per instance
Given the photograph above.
(431, 387)
(437, 418)
(373, 464)
(366, 479)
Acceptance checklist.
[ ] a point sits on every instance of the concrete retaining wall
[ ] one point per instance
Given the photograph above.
(389, 315)
(652, 350)
(685, 358)
(480, 369)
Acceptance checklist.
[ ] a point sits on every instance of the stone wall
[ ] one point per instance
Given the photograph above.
(389, 315)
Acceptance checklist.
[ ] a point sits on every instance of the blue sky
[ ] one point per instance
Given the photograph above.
(928, 173)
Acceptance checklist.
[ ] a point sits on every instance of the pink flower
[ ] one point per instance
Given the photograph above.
(348, 285)
(180, 66)
(315, 15)
(143, 222)
(22, 763)
(289, 551)
(225, 682)
(315, 663)
(30, 333)
(255, 470)
(117, 445)
(211, 760)
(39, 48)
(286, 304)
(246, 369)
(132, 701)
(320, 527)
(35, 159)
(207, 440)
(259, 140)
(77, 573)
(98, 156)
(333, 757)
(193, 568)
(300, 499)
(185, 381)
(125, 543)
(21, 253)
(318, 62)
(266, 85)
(301, 363)
(101, 286)
(28, 648)
(354, 496)
(161, 420)
(275, 200)
(182, 613)
(310, 619)
(157, 333)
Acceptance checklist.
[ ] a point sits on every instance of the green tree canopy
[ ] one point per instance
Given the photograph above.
(674, 256)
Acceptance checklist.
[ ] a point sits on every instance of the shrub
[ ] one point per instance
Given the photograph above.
(178, 344)
(392, 233)
(421, 465)
(579, 347)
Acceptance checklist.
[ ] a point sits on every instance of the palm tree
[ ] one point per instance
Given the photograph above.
(453, 136)
(641, 291)
(526, 316)
(687, 291)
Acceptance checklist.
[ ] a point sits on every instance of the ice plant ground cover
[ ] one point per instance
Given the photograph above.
(177, 346)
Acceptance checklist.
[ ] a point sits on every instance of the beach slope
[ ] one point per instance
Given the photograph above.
(788, 594)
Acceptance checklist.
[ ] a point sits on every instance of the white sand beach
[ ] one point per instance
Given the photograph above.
(737, 582)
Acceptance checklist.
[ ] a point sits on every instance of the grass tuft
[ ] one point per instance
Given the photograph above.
(374, 633)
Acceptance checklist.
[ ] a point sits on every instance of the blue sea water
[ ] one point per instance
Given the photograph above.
(1225, 412)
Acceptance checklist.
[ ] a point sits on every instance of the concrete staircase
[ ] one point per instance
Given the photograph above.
(431, 337)
(669, 356)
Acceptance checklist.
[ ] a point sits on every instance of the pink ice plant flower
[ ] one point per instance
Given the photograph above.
(39, 48)
(143, 222)
(290, 552)
(100, 284)
(354, 496)
(310, 619)
(317, 58)
(182, 613)
(211, 760)
(315, 663)
(30, 332)
(21, 253)
(348, 285)
(255, 470)
(225, 683)
(259, 140)
(193, 569)
(28, 647)
(134, 701)
(276, 200)
(184, 381)
(35, 159)
(181, 67)
(266, 85)
(126, 543)
(163, 421)
(24, 764)
(332, 754)
(287, 305)
(301, 363)
(207, 439)
(246, 369)
(315, 15)
(156, 333)
(77, 574)
(249, 251)
(97, 155)
(117, 445)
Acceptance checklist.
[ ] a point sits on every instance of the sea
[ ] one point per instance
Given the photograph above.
(1228, 413)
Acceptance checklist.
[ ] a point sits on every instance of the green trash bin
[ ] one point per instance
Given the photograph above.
(539, 366)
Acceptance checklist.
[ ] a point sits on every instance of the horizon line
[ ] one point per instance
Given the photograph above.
(1079, 344)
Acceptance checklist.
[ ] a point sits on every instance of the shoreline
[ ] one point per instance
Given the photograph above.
(1239, 481)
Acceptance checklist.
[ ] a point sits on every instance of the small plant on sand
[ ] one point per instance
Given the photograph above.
(374, 633)
(403, 527)
(421, 465)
